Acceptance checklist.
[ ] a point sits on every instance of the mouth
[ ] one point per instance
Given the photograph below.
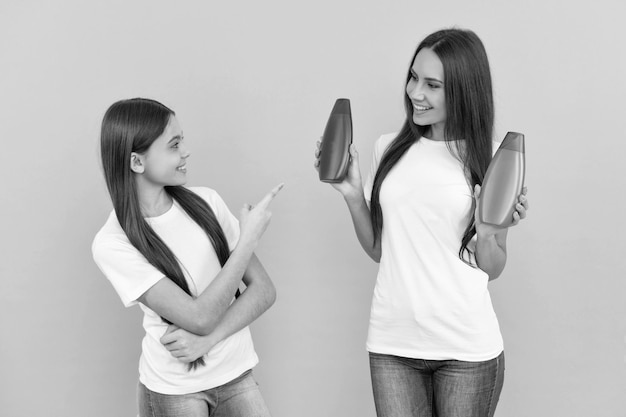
(419, 108)
(182, 168)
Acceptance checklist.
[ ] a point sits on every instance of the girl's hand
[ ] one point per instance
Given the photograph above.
(352, 184)
(183, 345)
(253, 220)
(485, 229)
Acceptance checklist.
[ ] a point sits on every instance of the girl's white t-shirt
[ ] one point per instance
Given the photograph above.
(132, 275)
(427, 302)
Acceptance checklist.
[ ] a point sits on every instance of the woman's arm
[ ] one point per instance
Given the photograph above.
(491, 252)
(351, 188)
(491, 240)
(201, 315)
(362, 223)
(258, 296)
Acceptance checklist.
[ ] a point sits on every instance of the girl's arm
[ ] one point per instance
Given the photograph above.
(362, 223)
(258, 296)
(202, 314)
(491, 240)
(351, 188)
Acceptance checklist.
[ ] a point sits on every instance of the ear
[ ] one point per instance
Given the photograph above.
(136, 163)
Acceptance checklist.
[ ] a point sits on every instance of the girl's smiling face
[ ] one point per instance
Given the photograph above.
(165, 161)
(425, 89)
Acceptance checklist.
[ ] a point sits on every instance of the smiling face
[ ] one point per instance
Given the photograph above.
(165, 161)
(425, 89)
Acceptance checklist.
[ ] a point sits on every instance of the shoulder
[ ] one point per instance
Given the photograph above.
(110, 238)
(213, 199)
(110, 231)
(205, 193)
(383, 142)
(209, 195)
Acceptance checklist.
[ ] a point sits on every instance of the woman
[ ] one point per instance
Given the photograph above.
(434, 341)
(181, 255)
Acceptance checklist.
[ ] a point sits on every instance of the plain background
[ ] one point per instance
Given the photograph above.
(253, 84)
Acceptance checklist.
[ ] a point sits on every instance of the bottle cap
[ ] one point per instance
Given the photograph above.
(513, 141)
(342, 106)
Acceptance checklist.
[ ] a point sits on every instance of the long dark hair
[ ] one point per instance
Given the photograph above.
(132, 126)
(470, 115)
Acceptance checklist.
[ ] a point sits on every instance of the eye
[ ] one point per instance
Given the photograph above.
(176, 143)
(433, 86)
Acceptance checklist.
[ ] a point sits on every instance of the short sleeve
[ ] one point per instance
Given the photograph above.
(379, 149)
(125, 267)
(226, 219)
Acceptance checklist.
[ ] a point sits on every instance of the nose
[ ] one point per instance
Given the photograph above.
(414, 91)
(184, 151)
(417, 95)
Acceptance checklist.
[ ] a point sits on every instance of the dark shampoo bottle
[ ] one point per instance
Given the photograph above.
(335, 147)
(503, 182)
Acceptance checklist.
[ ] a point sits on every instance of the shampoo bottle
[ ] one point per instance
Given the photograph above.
(503, 182)
(335, 147)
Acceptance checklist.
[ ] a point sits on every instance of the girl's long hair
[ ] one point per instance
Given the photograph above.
(132, 126)
(470, 116)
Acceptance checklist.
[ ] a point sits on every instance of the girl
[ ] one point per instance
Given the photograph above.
(434, 341)
(181, 255)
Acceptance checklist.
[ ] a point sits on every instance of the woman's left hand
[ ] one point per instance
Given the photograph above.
(183, 345)
(520, 213)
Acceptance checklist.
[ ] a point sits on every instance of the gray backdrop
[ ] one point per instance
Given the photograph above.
(253, 83)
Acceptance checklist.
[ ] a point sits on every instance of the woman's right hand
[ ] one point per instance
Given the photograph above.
(185, 346)
(352, 184)
(253, 220)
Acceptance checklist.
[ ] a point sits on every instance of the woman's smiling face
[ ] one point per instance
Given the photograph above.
(425, 89)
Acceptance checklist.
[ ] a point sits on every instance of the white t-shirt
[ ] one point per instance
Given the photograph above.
(132, 275)
(427, 302)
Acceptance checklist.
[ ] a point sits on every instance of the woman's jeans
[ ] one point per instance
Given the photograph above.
(238, 398)
(405, 387)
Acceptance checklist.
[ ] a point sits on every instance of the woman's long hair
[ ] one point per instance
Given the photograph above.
(470, 116)
(132, 126)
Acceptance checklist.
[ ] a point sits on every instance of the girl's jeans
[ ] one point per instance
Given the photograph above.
(238, 398)
(405, 387)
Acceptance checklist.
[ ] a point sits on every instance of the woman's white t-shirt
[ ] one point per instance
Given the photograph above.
(132, 275)
(427, 302)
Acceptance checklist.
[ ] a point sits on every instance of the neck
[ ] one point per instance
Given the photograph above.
(153, 200)
(436, 132)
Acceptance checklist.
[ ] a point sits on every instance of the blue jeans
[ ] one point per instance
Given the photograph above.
(238, 398)
(405, 387)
